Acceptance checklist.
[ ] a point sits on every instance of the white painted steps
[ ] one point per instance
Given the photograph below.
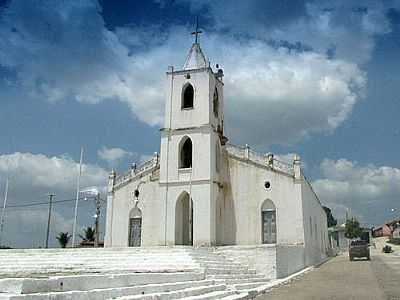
(213, 295)
(237, 276)
(91, 282)
(126, 273)
(179, 294)
(240, 296)
(161, 290)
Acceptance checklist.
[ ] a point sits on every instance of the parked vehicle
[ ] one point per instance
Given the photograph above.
(359, 248)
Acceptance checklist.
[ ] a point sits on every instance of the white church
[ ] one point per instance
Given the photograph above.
(202, 191)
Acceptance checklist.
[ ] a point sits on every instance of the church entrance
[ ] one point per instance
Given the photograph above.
(184, 220)
(135, 228)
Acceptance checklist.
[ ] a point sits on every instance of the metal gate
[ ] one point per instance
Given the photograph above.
(135, 232)
(269, 227)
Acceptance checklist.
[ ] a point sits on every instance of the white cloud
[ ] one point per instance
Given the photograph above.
(41, 171)
(113, 155)
(348, 27)
(278, 95)
(345, 28)
(282, 96)
(32, 177)
(369, 191)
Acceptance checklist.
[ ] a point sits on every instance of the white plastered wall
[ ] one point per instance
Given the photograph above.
(244, 194)
(315, 226)
(123, 203)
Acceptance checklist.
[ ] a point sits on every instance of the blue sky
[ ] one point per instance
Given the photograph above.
(318, 78)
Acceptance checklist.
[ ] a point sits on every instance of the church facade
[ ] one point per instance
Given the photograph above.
(202, 191)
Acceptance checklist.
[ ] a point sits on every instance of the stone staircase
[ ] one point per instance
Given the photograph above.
(225, 269)
(125, 273)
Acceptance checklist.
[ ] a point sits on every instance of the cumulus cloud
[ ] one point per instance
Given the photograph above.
(113, 155)
(279, 94)
(343, 28)
(32, 177)
(365, 191)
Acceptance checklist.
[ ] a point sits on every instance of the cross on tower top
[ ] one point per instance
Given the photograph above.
(197, 31)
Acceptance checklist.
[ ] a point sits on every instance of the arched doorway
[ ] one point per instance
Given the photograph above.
(268, 222)
(184, 220)
(135, 227)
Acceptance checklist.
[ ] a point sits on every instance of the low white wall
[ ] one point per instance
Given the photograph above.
(289, 259)
(262, 258)
(315, 226)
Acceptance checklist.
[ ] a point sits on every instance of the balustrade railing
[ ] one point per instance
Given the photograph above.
(249, 154)
(136, 170)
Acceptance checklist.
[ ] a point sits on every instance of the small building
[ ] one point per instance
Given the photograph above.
(382, 230)
(337, 238)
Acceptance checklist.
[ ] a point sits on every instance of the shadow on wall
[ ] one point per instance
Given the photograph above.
(228, 214)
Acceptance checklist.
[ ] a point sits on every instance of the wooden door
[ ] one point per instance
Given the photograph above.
(269, 227)
(135, 232)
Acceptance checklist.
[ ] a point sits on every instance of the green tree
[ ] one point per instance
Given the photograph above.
(88, 234)
(331, 220)
(63, 238)
(352, 229)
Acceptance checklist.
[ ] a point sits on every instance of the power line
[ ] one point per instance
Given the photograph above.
(47, 202)
(38, 203)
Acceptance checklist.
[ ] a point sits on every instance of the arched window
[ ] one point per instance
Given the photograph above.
(187, 96)
(268, 222)
(186, 153)
(216, 103)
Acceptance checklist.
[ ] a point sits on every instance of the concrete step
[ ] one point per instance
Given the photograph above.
(239, 296)
(248, 285)
(216, 271)
(234, 276)
(231, 281)
(90, 282)
(180, 294)
(106, 259)
(219, 262)
(212, 295)
(148, 291)
(65, 265)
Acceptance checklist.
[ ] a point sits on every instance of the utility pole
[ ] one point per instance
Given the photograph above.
(97, 234)
(48, 219)
(3, 211)
(78, 187)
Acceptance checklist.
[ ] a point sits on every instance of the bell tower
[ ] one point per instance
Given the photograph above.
(191, 143)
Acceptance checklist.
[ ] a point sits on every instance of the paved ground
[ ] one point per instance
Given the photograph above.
(341, 279)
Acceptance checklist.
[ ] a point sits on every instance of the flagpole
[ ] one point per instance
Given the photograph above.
(77, 198)
(3, 211)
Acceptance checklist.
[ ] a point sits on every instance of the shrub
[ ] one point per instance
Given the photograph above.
(394, 241)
